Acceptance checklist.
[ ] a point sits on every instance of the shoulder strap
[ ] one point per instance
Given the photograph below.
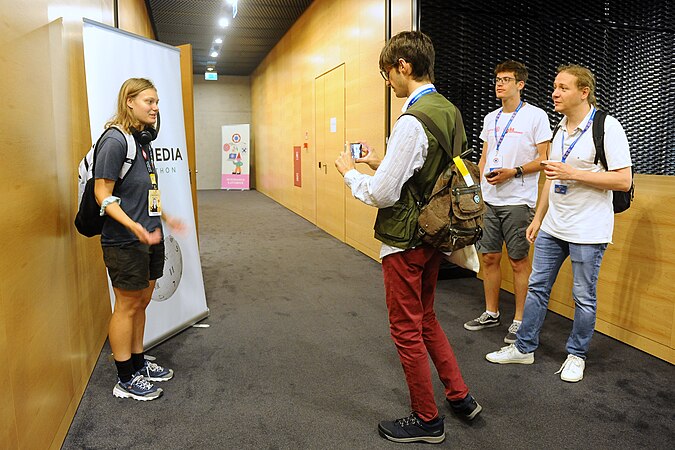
(131, 151)
(555, 130)
(599, 137)
(436, 132)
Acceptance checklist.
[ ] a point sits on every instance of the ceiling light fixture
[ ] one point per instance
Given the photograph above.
(214, 54)
(218, 41)
(223, 22)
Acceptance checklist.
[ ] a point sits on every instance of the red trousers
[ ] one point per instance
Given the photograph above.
(410, 284)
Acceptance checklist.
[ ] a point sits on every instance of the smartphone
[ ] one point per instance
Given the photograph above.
(356, 149)
(543, 163)
(491, 174)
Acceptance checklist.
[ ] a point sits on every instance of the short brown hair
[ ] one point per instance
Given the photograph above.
(415, 48)
(585, 79)
(517, 68)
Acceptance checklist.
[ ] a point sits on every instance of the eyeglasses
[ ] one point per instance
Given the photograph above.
(385, 73)
(503, 80)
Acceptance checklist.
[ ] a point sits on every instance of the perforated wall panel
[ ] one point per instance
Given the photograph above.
(629, 46)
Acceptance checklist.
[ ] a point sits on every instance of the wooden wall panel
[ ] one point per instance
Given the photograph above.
(187, 84)
(54, 305)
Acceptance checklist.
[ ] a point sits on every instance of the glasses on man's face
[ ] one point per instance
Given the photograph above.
(385, 74)
(503, 80)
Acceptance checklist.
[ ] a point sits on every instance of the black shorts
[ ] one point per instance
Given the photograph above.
(131, 266)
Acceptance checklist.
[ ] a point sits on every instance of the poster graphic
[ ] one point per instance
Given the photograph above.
(235, 166)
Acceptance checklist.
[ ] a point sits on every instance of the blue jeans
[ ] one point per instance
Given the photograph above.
(549, 254)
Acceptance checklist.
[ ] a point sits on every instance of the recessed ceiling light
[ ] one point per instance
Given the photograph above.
(214, 54)
(218, 41)
(223, 22)
(209, 69)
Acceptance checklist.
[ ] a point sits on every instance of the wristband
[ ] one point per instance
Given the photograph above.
(519, 171)
(107, 201)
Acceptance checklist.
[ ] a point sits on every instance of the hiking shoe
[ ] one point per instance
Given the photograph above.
(485, 320)
(511, 335)
(510, 355)
(154, 372)
(467, 408)
(572, 369)
(137, 388)
(413, 429)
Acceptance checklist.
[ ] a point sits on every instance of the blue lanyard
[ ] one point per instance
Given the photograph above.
(506, 128)
(569, 149)
(420, 95)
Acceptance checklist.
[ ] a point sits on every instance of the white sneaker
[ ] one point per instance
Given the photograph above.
(572, 369)
(510, 355)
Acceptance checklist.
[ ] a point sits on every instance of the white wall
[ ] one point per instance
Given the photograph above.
(226, 101)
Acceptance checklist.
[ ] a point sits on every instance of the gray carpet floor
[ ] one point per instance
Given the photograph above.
(298, 356)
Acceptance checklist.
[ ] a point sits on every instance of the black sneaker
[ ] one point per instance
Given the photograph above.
(413, 429)
(485, 320)
(467, 409)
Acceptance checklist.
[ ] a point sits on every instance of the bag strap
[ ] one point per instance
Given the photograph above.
(599, 137)
(436, 132)
(131, 151)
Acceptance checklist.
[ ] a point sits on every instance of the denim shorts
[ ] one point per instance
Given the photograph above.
(132, 265)
(506, 224)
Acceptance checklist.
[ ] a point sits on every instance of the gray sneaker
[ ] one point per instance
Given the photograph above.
(484, 321)
(511, 335)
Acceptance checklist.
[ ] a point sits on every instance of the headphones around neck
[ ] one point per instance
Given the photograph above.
(148, 134)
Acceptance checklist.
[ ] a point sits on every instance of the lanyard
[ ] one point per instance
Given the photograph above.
(149, 164)
(569, 149)
(506, 128)
(421, 94)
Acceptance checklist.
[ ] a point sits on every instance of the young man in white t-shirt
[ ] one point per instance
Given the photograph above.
(515, 140)
(575, 218)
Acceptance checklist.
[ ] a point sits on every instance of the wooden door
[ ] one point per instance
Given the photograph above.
(330, 140)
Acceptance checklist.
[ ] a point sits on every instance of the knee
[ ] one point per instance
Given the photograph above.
(520, 265)
(492, 260)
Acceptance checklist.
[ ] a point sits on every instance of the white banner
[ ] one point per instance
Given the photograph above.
(236, 167)
(111, 56)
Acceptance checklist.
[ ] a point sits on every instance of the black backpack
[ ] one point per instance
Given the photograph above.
(88, 221)
(622, 199)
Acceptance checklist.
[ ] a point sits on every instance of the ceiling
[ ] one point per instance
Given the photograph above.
(259, 25)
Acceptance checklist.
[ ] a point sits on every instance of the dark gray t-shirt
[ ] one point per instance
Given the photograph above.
(133, 190)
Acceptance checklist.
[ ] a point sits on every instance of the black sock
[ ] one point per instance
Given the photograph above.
(125, 369)
(138, 359)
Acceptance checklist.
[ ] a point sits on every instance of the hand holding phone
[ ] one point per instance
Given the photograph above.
(491, 174)
(356, 150)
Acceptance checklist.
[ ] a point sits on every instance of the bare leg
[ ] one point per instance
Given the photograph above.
(139, 320)
(521, 276)
(121, 329)
(492, 281)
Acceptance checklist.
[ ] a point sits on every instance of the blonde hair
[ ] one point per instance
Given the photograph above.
(585, 79)
(130, 89)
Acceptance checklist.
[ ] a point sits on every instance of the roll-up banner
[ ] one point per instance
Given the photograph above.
(235, 161)
(111, 56)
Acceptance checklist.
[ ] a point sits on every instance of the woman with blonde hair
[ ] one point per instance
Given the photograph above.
(132, 240)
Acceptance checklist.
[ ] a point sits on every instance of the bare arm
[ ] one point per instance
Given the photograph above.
(483, 156)
(103, 188)
(542, 209)
(617, 180)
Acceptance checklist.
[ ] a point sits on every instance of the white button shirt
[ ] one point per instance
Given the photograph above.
(406, 152)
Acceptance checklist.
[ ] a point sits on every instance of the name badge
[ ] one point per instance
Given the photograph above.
(154, 203)
(560, 189)
(496, 163)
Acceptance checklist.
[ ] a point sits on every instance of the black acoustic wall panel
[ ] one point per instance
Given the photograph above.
(629, 45)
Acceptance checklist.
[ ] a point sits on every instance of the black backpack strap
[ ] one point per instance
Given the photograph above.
(599, 137)
(436, 132)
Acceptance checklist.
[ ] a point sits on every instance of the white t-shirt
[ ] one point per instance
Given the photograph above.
(519, 146)
(585, 215)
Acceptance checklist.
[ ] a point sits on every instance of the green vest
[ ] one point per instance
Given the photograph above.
(397, 224)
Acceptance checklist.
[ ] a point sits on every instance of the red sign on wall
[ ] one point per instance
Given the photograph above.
(297, 166)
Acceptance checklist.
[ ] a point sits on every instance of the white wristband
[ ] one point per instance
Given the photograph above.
(107, 201)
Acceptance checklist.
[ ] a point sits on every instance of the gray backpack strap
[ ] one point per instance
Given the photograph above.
(131, 152)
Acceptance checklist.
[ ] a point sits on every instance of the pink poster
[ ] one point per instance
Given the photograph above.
(236, 152)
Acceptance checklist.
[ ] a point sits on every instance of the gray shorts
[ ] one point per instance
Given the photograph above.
(506, 224)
